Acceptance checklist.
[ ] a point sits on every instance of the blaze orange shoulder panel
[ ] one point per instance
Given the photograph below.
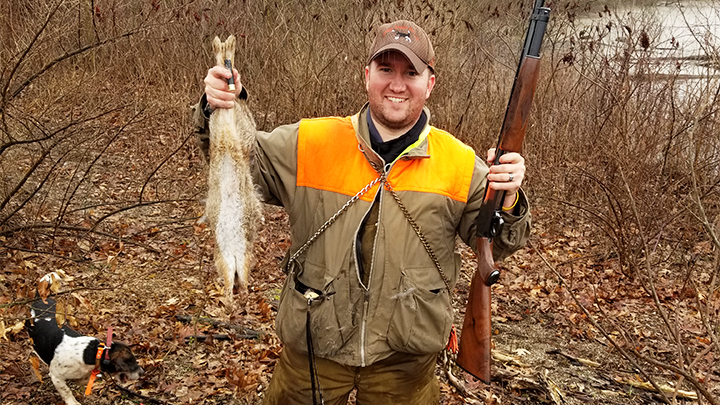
(448, 171)
(329, 159)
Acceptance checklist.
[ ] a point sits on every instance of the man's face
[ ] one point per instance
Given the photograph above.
(396, 91)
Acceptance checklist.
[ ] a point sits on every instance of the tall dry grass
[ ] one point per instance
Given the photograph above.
(95, 137)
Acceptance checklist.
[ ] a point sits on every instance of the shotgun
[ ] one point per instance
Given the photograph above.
(474, 354)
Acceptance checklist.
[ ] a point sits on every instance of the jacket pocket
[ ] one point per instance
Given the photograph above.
(291, 319)
(421, 319)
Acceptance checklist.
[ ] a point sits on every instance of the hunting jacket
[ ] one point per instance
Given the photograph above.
(400, 302)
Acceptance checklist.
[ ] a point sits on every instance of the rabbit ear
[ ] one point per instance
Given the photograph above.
(230, 49)
(217, 45)
(219, 51)
(230, 44)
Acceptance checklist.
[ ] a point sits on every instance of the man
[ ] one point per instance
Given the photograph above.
(373, 289)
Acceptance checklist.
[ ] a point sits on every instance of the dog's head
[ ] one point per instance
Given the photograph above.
(123, 365)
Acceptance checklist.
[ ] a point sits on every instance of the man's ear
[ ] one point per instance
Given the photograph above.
(367, 77)
(431, 85)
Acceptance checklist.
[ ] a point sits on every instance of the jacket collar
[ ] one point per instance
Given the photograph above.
(362, 133)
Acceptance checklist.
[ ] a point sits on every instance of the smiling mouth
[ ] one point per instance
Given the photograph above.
(396, 99)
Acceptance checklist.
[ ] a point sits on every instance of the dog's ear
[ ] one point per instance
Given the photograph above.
(43, 290)
(49, 283)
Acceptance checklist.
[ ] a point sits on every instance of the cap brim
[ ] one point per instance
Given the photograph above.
(417, 63)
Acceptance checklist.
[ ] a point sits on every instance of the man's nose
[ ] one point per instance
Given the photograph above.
(397, 83)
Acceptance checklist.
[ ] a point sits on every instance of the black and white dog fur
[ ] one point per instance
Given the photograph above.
(70, 355)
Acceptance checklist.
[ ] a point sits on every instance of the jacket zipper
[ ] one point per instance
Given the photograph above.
(365, 297)
(366, 288)
(366, 294)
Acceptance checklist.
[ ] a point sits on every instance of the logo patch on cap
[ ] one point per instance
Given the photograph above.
(405, 35)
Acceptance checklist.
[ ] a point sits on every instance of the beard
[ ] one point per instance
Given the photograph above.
(395, 119)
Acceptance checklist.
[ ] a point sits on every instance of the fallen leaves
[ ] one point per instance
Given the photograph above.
(35, 363)
(242, 379)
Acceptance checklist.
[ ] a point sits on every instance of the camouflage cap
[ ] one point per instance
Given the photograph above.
(406, 37)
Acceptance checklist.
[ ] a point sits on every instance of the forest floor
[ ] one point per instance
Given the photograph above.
(148, 270)
(546, 351)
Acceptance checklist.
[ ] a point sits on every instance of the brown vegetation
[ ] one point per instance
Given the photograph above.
(100, 178)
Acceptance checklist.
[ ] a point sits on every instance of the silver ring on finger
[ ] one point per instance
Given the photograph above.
(512, 177)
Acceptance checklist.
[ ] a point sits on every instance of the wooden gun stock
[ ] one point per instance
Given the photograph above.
(475, 344)
(474, 354)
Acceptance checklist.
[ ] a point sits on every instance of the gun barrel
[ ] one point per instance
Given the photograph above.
(536, 31)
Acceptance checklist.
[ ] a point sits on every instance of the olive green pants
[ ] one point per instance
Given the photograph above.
(400, 379)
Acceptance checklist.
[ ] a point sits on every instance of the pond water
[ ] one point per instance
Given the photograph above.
(682, 36)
